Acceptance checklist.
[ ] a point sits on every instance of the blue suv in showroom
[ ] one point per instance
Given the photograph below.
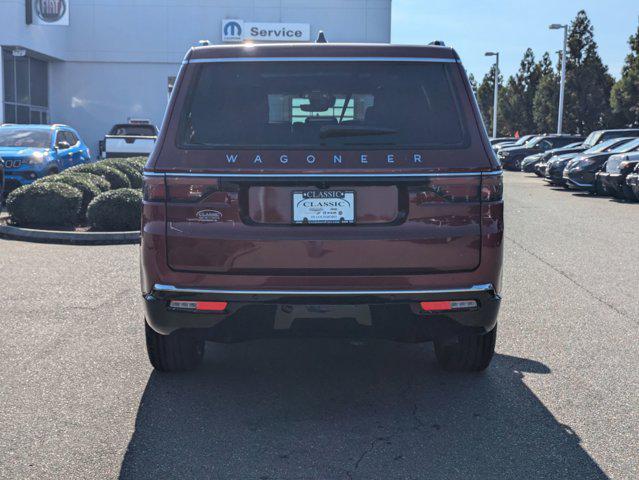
(30, 152)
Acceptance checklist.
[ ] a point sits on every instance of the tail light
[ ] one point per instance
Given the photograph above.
(193, 305)
(449, 190)
(492, 188)
(448, 305)
(154, 189)
(178, 189)
(190, 189)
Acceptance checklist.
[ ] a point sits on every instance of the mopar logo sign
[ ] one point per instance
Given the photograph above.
(48, 12)
(232, 30)
(238, 30)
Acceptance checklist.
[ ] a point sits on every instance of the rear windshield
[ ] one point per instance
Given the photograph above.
(134, 130)
(322, 104)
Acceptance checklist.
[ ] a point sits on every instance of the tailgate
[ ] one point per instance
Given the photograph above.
(247, 225)
(129, 144)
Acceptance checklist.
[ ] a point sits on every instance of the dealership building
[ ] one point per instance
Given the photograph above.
(93, 63)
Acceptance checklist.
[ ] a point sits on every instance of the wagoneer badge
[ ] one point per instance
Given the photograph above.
(208, 216)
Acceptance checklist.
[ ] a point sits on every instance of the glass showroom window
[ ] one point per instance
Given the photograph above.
(26, 96)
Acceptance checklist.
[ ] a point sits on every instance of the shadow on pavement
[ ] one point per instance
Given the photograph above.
(332, 409)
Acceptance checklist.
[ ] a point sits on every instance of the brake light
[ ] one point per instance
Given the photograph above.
(154, 189)
(198, 306)
(448, 305)
(449, 190)
(492, 188)
(190, 189)
(436, 306)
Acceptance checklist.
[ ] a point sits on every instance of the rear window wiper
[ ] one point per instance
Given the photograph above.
(353, 131)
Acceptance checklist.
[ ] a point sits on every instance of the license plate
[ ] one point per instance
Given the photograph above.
(323, 206)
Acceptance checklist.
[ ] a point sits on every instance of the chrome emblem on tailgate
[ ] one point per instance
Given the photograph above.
(207, 216)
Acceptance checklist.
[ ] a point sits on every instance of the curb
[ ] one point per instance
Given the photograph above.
(75, 238)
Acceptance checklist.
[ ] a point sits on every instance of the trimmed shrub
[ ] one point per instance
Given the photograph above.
(117, 210)
(139, 162)
(115, 178)
(45, 204)
(98, 181)
(130, 169)
(85, 185)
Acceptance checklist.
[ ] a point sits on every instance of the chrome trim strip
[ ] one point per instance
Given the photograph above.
(323, 59)
(172, 289)
(322, 175)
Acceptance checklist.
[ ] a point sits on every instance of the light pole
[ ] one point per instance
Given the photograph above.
(496, 55)
(562, 83)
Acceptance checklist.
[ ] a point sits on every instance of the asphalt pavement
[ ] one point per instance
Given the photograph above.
(78, 398)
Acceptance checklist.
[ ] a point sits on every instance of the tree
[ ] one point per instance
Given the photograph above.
(588, 83)
(473, 84)
(516, 104)
(624, 98)
(546, 99)
(485, 97)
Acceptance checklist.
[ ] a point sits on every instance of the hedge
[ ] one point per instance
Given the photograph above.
(100, 182)
(115, 178)
(116, 210)
(88, 189)
(127, 167)
(139, 162)
(45, 204)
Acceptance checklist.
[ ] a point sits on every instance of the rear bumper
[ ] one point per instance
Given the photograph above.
(394, 315)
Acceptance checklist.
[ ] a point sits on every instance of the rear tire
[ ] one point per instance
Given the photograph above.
(471, 353)
(179, 352)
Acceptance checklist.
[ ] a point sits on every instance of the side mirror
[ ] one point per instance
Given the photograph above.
(63, 145)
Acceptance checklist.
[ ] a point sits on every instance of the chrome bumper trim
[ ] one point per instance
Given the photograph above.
(173, 289)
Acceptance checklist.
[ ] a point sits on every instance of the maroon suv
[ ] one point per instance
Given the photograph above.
(322, 190)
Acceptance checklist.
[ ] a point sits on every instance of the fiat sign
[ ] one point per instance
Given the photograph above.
(48, 12)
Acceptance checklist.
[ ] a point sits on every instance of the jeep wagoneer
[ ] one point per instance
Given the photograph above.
(322, 190)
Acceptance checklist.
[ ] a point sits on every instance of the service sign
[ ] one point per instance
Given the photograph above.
(49, 12)
(234, 30)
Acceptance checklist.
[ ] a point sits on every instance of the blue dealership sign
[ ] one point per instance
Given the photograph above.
(232, 30)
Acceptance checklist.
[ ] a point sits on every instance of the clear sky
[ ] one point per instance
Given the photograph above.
(473, 27)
